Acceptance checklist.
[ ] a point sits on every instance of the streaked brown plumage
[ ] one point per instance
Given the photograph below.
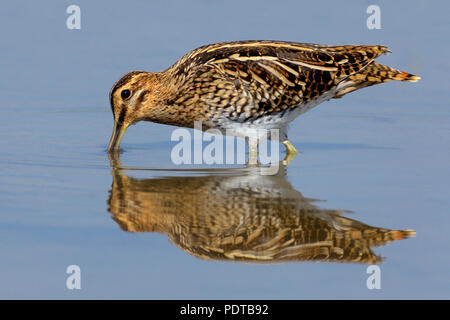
(242, 216)
(246, 86)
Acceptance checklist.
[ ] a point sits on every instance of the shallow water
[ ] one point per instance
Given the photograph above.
(374, 161)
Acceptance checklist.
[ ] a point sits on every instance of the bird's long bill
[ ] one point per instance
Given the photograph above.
(116, 137)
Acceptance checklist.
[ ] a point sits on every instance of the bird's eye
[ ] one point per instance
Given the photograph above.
(125, 94)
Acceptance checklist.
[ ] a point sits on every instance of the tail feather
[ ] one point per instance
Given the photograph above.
(374, 73)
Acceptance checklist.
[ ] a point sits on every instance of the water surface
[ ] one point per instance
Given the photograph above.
(371, 164)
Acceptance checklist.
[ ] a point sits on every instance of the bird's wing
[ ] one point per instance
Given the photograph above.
(269, 76)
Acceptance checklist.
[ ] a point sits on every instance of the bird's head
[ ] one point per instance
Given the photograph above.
(134, 97)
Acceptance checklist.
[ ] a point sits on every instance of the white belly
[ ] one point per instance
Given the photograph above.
(261, 128)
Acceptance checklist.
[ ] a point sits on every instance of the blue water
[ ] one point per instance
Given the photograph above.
(382, 153)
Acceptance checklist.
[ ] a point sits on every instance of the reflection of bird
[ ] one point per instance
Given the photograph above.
(242, 216)
(246, 88)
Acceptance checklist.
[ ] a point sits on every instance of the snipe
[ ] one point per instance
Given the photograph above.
(247, 87)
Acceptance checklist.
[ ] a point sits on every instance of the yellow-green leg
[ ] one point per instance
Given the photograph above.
(253, 151)
(291, 152)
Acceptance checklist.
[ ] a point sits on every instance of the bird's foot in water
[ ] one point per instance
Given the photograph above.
(291, 152)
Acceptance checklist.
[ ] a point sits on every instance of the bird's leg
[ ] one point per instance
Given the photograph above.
(253, 151)
(291, 152)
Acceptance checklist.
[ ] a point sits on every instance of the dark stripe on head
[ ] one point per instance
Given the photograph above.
(122, 115)
(124, 79)
(142, 97)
